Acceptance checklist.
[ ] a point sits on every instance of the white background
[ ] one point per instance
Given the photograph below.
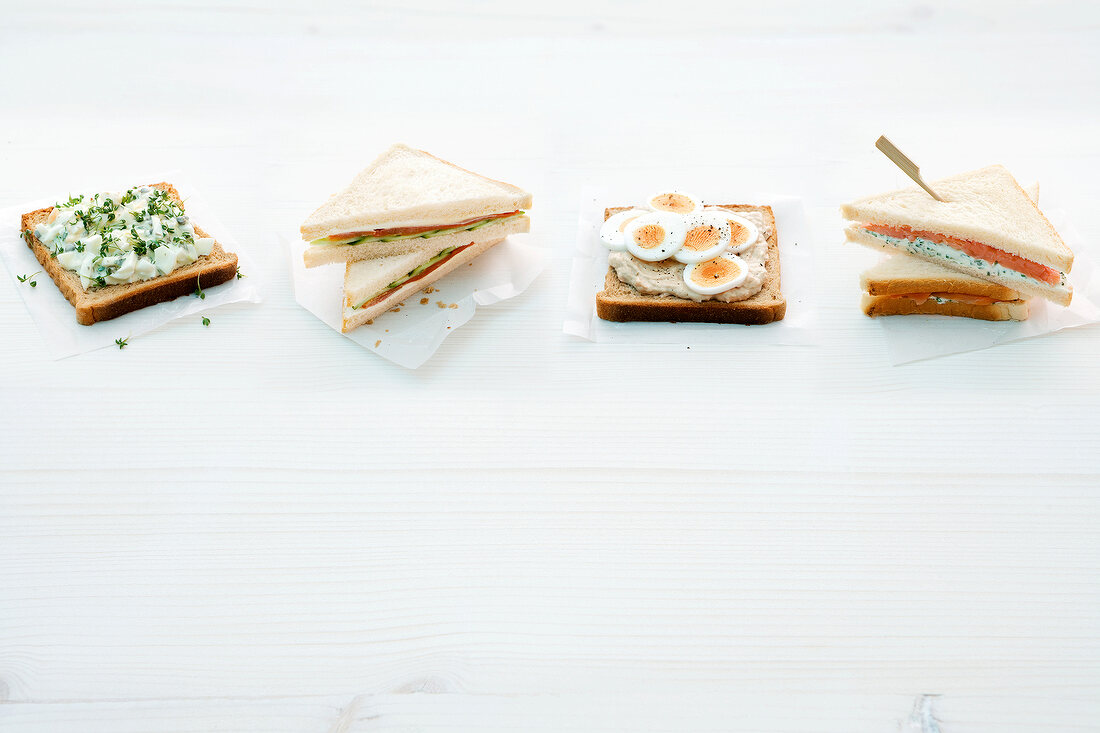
(260, 526)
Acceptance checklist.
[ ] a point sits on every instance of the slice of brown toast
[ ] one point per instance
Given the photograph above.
(112, 301)
(621, 302)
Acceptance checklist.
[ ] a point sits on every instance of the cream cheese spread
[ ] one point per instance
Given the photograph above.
(947, 253)
(116, 238)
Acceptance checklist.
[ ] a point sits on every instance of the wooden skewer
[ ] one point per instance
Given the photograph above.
(902, 161)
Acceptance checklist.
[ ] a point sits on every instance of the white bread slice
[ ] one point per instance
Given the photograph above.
(1012, 310)
(986, 206)
(355, 318)
(902, 274)
(326, 254)
(1061, 293)
(404, 187)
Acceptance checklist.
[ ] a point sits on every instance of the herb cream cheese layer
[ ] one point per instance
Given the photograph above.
(117, 238)
(667, 276)
(946, 253)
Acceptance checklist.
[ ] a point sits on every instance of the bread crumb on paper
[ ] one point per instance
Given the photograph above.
(424, 301)
(377, 342)
(440, 304)
(453, 305)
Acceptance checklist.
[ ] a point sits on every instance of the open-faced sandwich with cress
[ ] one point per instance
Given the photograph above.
(114, 252)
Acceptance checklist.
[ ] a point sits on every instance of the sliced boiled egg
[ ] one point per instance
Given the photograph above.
(742, 231)
(675, 202)
(724, 272)
(708, 236)
(611, 233)
(655, 236)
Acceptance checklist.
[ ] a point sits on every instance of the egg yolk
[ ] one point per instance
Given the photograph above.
(673, 202)
(714, 271)
(649, 236)
(738, 233)
(701, 238)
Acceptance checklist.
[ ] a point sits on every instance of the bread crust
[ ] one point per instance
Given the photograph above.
(112, 301)
(904, 286)
(621, 302)
(1011, 310)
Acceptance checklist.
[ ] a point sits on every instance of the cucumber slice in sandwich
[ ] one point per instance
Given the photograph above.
(411, 274)
(330, 242)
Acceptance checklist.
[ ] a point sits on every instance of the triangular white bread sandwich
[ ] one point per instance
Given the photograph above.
(903, 285)
(986, 227)
(900, 285)
(405, 198)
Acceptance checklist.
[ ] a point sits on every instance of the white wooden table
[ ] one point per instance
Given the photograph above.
(525, 534)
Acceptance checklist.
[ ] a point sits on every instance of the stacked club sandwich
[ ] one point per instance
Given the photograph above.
(979, 253)
(407, 220)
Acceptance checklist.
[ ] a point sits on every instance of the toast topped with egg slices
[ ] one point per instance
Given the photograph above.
(113, 253)
(706, 264)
